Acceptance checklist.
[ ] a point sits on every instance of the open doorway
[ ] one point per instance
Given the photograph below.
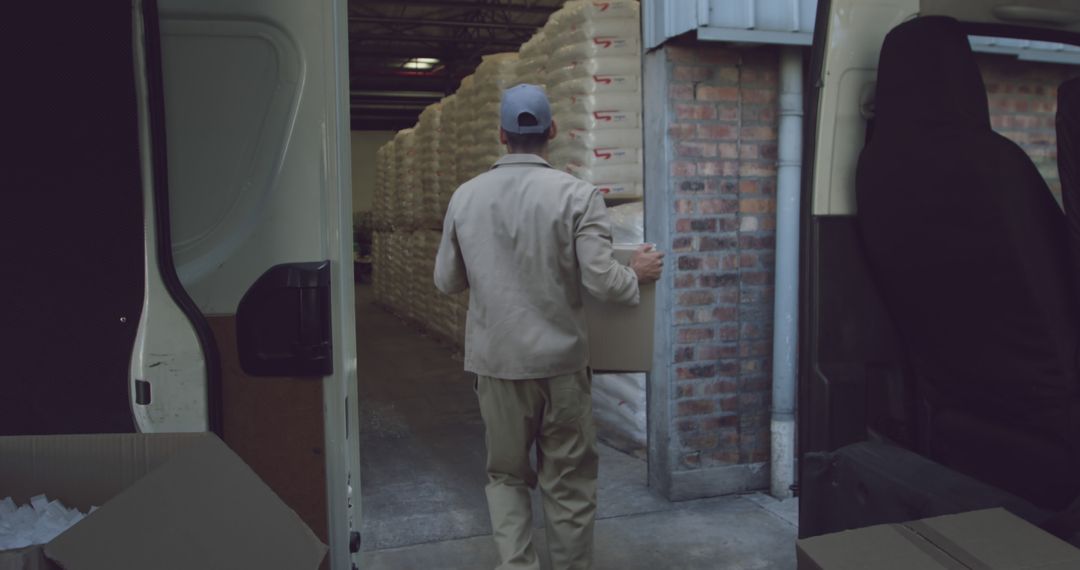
(425, 119)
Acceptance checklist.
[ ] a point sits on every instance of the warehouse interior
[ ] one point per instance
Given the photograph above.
(424, 74)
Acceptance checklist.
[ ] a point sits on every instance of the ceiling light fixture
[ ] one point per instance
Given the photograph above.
(421, 63)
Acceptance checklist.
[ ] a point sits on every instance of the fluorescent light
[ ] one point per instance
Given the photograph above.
(421, 63)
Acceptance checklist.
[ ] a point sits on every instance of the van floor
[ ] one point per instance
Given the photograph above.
(422, 476)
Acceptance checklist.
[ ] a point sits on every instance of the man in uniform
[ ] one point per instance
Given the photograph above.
(525, 239)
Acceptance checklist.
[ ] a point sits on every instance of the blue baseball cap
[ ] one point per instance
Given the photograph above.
(525, 99)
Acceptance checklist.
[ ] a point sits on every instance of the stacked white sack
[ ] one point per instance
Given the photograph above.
(449, 148)
(466, 138)
(382, 212)
(619, 407)
(495, 73)
(385, 182)
(423, 264)
(378, 265)
(405, 192)
(595, 87)
(36, 523)
(428, 136)
(532, 59)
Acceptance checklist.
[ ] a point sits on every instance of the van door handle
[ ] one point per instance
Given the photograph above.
(283, 322)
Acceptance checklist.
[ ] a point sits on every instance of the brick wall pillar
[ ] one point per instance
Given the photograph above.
(711, 172)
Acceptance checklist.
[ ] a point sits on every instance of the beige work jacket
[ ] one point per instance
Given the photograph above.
(525, 238)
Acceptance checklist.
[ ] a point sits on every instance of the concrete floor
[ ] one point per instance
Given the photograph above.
(422, 477)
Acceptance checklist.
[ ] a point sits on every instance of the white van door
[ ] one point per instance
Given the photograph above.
(257, 136)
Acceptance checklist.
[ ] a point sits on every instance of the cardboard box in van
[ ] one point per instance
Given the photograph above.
(166, 501)
(991, 539)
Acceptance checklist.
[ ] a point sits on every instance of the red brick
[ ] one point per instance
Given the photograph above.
(681, 54)
(727, 112)
(681, 92)
(695, 334)
(718, 206)
(750, 331)
(759, 75)
(681, 168)
(729, 333)
(687, 426)
(719, 423)
(757, 242)
(759, 95)
(692, 73)
(729, 404)
(717, 132)
(706, 225)
(717, 55)
(758, 133)
(756, 277)
(691, 186)
(749, 187)
(699, 371)
(687, 408)
(759, 114)
(684, 206)
(689, 263)
(728, 150)
(685, 391)
(684, 353)
(682, 131)
(720, 386)
(757, 383)
(717, 243)
(695, 111)
(682, 244)
(700, 441)
(692, 298)
(724, 313)
(695, 149)
(711, 93)
(718, 280)
(757, 205)
(750, 366)
(718, 351)
(685, 280)
(718, 168)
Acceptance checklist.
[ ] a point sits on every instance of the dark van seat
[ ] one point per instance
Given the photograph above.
(971, 253)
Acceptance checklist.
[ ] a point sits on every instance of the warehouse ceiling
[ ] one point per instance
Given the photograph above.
(405, 55)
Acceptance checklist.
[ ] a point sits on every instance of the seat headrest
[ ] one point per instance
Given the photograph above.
(927, 76)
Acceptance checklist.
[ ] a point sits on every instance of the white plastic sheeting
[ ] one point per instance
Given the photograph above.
(619, 409)
(36, 523)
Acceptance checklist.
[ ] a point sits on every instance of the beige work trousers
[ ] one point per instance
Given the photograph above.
(555, 414)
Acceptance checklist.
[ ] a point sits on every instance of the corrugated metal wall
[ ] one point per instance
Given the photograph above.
(791, 22)
(760, 21)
